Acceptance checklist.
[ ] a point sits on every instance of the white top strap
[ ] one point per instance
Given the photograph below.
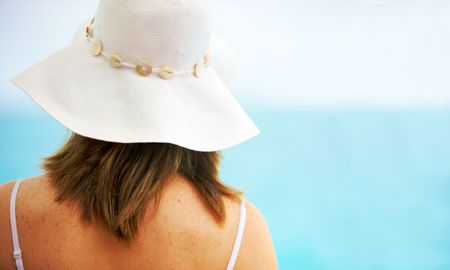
(17, 253)
(239, 235)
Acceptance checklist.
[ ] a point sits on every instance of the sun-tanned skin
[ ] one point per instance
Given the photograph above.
(181, 235)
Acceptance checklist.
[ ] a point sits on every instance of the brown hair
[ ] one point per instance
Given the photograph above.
(113, 183)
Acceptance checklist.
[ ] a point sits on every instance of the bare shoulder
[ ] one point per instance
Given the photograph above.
(257, 250)
(5, 225)
(183, 205)
(6, 188)
(5, 196)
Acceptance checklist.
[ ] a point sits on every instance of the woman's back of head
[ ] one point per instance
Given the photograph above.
(107, 205)
(113, 183)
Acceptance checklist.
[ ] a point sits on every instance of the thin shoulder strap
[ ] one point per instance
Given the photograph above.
(17, 253)
(239, 235)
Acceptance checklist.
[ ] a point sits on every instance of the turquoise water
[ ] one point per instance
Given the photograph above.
(350, 189)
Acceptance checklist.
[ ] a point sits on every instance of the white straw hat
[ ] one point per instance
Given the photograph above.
(144, 71)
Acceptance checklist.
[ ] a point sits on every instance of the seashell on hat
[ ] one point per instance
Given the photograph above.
(144, 71)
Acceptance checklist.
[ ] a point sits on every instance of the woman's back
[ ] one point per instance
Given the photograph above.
(181, 234)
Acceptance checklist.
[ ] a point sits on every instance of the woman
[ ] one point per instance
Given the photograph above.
(146, 96)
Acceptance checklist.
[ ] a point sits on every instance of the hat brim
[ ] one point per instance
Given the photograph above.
(90, 97)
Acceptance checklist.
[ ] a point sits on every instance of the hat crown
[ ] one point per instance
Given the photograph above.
(163, 32)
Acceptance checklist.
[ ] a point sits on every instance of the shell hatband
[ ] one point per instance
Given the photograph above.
(143, 67)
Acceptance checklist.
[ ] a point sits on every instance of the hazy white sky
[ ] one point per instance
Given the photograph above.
(293, 53)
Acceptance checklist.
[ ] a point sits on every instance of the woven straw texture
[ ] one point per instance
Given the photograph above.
(90, 97)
